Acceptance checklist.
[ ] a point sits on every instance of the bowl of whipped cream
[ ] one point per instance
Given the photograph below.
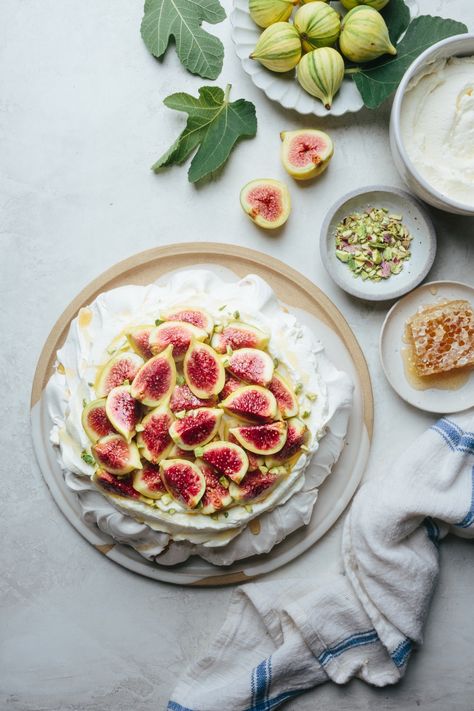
(432, 125)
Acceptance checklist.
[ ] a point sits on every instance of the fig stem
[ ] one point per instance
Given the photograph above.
(227, 92)
(352, 70)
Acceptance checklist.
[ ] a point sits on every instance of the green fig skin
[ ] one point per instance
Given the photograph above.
(364, 35)
(320, 73)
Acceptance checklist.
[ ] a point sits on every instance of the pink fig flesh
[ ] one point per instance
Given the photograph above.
(123, 410)
(117, 456)
(227, 459)
(239, 335)
(252, 403)
(121, 486)
(196, 317)
(231, 384)
(251, 365)
(155, 380)
(261, 439)
(176, 333)
(119, 369)
(196, 429)
(148, 482)
(95, 421)
(139, 339)
(203, 370)
(154, 440)
(182, 399)
(284, 395)
(183, 480)
(296, 436)
(255, 486)
(216, 496)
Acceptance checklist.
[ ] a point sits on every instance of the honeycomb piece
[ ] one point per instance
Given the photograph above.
(442, 336)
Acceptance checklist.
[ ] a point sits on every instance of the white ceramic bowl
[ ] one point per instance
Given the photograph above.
(418, 223)
(457, 46)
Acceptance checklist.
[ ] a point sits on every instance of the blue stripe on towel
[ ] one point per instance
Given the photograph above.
(174, 706)
(456, 438)
(468, 519)
(402, 652)
(356, 640)
(432, 530)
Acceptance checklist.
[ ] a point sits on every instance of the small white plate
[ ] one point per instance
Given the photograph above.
(391, 344)
(418, 223)
(283, 88)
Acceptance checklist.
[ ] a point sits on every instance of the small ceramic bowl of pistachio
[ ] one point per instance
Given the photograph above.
(378, 243)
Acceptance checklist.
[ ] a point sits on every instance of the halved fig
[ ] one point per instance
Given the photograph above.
(122, 367)
(123, 411)
(154, 440)
(216, 497)
(139, 339)
(155, 380)
(256, 486)
(95, 422)
(183, 480)
(305, 153)
(203, 370)
(261, 439)
(251, 403)
(239, 335)
(230, 385)
(182, 399)
(228, 459)
(188, 314)
(121, 486)
(284, 395)
(117, 456)
(251, 365)
(177, 333)
(296, 436)
(197, 428)
(267, 202)
(148, 481)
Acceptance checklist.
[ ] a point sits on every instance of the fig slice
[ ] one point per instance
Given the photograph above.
(154, 441)
(255, 461)
(203, 370)
(261, 439)
(139, 339)
(296, 436)
(267, 202)
(183, 480)
(120, 368)
(305, 153)
(284, 395)
(230, 385)
(197, 428)
(183, 399)
(251, 365)
(227, 459)
(239, 335)
(188, 314)
(123, 411)
(120, 486)
(216, 497)
(117, 456)
(156, 379)
(251, 403)
(179, 334)
(148, 482)
(255, 486)
(95, 422)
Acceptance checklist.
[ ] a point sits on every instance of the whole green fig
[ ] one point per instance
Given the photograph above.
(266, 12)
(364, 35)
(376, 4)
(318, 25)
(320, 73)
(279, 47)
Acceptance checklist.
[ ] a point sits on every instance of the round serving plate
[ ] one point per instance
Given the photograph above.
(391, 344)
(283, 88)
(312, 307)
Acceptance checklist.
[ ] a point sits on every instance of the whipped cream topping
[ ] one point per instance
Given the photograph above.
(437, 124)
(152, 529)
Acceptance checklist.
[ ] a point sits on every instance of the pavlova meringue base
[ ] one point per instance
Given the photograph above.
(151, 531)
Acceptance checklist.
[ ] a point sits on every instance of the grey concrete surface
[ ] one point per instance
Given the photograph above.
(81, 121)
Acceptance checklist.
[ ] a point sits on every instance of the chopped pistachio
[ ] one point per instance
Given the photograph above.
(84, 402)
(223, 481)
(180, 379)
(298, 388)
(306, 414)
(236, 315)
(226, 513)
(248, 508)
(304, 448)
(139, 427)
(311, 396)
(171, 512)
(276, 362)
(218, 329)
(180, 414)
(158, 321)
(229, 350)
(87, 458)
(199, 451)
(221, 308)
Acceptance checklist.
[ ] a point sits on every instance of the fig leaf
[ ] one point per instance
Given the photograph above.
(214, 124)
(199, 52)
(378, 80)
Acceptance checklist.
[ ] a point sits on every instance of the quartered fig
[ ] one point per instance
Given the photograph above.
(148, 482)
(267, 202)
(154, 440)
(239, 335)
(123, 411)
(306, 153)
(231, 384)
(216, 497)
(183, 399)
(251, 403)
(139, 339)
(177, 333)
(121, 486)
(284, 395)
(122, 367)
(227, 459)
(261, 439)
(203, 370)
(197, 428)
(278, 47)
(183, 480)
(251, 365)
(255, 460)
(296, 436)
(117, 456)
(155, 380)
(95, 422)
(197, 317)
(255, 486)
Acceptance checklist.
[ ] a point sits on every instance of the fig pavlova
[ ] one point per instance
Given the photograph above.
(186, 411)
